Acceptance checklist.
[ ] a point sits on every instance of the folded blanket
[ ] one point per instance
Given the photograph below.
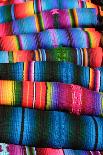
(50, 129)
(47, 151)
(85, 57)
(54, 72)
(49, 20)
(24, 150)
(51, 96)
(36, 6)
(75, 37)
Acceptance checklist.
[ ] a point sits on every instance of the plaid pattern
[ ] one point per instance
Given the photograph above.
(84, 57)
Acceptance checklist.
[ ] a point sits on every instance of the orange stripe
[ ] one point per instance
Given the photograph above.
(40, 95)
(27, 100)
(85, 57)
(37, 55)
(91, 83)
(76, 17)
(25, 74)
(37, 22)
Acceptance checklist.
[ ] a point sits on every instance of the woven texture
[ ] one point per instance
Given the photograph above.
(84, 57)
(51, 96)
(21, 40)
(88, 38)
(49, 20)
(9, 149)
(50, 129)
(53, 71)
(44, 5)
(12, 12)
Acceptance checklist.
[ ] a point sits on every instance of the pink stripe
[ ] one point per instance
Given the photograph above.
(54, 38)
(32, 64)
(97, 80)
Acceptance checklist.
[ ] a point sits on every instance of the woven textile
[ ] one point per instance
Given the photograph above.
(84, 57)
(49, 20)
(54, 72)
(50, 129)
(30, 7)
(71, 36)
(51, 96)
(54, 18)
(9, 149)
(66, 152)
(88, 38)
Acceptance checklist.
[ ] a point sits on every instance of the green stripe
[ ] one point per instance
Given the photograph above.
(41, 23)
(18, 93)
(49, 95)
(56, 22)
(71, 15)
(10, 54)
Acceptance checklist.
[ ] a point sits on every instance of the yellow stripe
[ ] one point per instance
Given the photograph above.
(37, 22)
(85, 57)
(6, 92)
(37, 55)
(49, 95)
(76, 17)
(91, 78)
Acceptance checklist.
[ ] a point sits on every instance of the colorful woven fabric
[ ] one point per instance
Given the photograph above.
(30, 7)
(51, 96)
(88, 38)
(47, 151)
(54, 19)
(48, 20)
(50, 129)
(84, 57)
(54, 72)
(9, 149)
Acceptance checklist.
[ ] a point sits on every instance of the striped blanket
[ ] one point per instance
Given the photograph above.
(85, 57)
(50, 129)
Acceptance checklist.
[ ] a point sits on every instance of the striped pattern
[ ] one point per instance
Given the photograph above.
(24, 150)
(88, 38)
(53, 19)
(51, 96)
(49, 151)
(29, 8)
(84, 57)
(49, 20)
(54, 71)
(59, 130)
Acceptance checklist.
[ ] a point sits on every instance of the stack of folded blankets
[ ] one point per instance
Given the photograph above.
(51, 77)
